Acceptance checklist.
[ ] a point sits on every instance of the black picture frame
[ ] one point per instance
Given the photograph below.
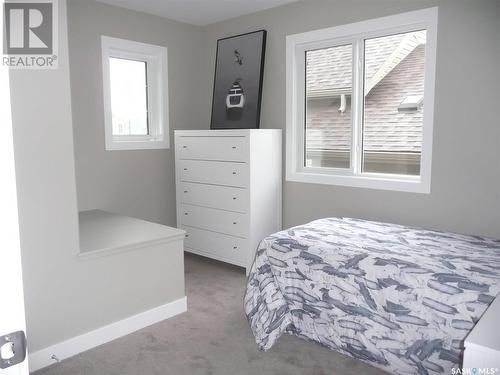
(238, 79)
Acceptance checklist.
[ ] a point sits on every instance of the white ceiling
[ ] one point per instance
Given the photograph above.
(198, 12)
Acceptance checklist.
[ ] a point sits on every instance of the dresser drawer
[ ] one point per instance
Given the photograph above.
(232, 223)
(213, 148)
(212, 243)
(214, 172)
(221, 197)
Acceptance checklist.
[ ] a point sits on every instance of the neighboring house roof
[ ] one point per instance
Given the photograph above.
(377, 67)
(385, 129)
(329, 70)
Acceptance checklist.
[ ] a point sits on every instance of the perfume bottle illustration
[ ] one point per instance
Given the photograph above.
(235, 97)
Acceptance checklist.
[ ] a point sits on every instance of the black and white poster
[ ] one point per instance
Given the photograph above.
(239, 70)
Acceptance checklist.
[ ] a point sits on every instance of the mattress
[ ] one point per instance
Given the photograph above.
(400, 298)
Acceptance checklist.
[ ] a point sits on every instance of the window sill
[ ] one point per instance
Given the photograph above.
(372, 181)
(103, 233)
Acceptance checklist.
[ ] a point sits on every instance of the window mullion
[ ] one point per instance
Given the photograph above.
(357, 106)
(153, 125)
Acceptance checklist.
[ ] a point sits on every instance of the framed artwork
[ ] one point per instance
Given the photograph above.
(239, 69)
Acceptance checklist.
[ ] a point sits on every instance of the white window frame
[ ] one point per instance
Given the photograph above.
(156, 60)
(356, 33)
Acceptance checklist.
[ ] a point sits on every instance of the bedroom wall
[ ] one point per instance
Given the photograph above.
(65, 296)
(497, 99)
(138, 183)
(466, 169)
(465, 194)
(48, 223)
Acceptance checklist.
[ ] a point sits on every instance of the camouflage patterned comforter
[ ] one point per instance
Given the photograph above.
(400, 298)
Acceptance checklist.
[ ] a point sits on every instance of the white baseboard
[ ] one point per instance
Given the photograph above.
(42, 358)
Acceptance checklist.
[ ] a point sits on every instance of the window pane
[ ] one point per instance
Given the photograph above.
(393, 106)
(328, 130)
(128, 97)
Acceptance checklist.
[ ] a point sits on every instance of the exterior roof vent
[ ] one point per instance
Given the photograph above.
(411, 102)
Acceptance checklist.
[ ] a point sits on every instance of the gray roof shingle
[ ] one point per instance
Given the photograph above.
(386, 129)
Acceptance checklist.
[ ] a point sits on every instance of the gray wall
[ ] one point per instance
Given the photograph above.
(139, 183)
(43, 141)
(65, 296)
(465, 193)
(61, 293)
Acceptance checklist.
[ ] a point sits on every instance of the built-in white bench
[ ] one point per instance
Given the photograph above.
(134, 271)
(104, 233)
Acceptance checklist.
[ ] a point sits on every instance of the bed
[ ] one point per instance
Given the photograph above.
(400, 298)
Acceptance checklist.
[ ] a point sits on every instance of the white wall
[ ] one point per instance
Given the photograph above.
(138, 183)
(465, 193)
(64, 296)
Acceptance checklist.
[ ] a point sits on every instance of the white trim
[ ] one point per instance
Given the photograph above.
(156, 58)
(369, 181)
(42, 358)
(12, 314)
(355, 34)
(357, 105)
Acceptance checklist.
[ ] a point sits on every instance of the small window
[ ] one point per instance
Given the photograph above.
(360, 103)
(129, 97)
(135, 95)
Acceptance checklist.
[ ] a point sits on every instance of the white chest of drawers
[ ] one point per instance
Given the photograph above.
(228, 186)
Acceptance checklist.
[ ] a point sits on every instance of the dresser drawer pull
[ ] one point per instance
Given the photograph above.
(185, 191)
(234, 222)
(234, 198)
(185, 213)
(234, 147)
(187, 235)
(184, 146)
(185, 169)
(235, 247)
(234, 172)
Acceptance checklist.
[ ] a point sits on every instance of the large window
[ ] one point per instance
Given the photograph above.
(360, 103)
(135, 95)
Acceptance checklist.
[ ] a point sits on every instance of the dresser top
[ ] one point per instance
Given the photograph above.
(225, 132)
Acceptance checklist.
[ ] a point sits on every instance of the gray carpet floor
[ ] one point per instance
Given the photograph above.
(212, 338)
